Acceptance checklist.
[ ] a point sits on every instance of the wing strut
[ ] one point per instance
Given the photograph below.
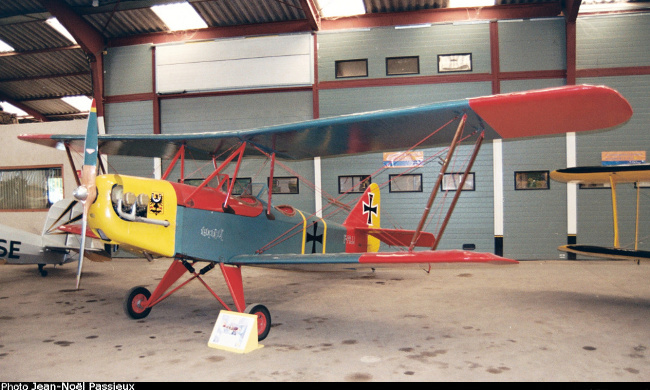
(434, 191)
(617, 242)
(477, 147)
(269, 215)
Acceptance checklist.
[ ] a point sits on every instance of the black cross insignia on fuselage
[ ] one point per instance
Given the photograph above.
(313, 238)
(369, 209)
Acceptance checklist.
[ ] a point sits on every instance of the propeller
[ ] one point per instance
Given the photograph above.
(86, 192)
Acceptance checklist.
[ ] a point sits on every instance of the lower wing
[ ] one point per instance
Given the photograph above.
(404, 257)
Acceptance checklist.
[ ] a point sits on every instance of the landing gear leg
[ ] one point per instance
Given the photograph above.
(41, 270)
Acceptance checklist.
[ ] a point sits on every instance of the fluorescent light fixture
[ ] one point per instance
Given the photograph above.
(470, 3)
(55, 24)
(10, 108)
(81, 103)
(179, 16)
(340, 8)
(4, 47)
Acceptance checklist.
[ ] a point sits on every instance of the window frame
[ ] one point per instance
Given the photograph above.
(46, 185)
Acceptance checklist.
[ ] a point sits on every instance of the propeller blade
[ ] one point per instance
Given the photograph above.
(86, 192)
(84, 223)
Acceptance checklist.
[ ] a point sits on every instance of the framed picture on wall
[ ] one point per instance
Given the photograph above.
(405, 183)
(461, 62)
(353, 183)
(532, 180)
(285, 185)
(451, 182)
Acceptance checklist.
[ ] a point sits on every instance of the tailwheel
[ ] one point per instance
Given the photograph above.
(263, 319)
(135, 304)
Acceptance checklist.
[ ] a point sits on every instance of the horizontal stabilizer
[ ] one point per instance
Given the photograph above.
(399, 237)
(603, 174)
(606, 252)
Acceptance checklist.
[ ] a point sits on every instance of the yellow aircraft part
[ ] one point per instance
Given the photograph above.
(373, 242)
(136, 236)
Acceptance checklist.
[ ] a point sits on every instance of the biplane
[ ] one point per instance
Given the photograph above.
(209, 224)
(57, 244)
(611, 175)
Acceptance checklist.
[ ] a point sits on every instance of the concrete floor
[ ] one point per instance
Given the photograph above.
(537, 321)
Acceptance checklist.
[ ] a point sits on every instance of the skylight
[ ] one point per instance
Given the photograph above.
(5, 47)
(81, 103)
(340, 8)
(55, 24)
(10, 108)
(179, 16)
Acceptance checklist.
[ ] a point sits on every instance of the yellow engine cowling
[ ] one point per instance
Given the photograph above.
(148, 233)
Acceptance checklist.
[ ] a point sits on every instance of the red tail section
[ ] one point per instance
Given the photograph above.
(364, 232)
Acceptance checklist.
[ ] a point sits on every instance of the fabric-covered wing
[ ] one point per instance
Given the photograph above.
(531, 113)
(404, 257)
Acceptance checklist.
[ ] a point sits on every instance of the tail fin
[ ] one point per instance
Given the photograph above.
(364, 233)
(365, 214)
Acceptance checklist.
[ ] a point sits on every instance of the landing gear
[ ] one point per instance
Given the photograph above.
(41, 270)
(135, 305)
(263, 319)
(139, 300)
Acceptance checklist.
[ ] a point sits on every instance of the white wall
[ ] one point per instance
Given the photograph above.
(17, 153)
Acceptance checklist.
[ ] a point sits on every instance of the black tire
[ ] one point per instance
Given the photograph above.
(133, 304)
(263, 319)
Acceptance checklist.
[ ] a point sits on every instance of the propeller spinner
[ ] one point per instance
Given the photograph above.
(86, 192)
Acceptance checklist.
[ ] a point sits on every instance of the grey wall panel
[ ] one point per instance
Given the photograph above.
(534, 220)
(255, 62)
(532, 45)
(238, 112)
(128, 70)
(595, 221)
(130, 118)
(426, 42)
(613, 41)
(473, 219)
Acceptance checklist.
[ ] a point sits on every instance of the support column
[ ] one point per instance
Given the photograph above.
(497, 166)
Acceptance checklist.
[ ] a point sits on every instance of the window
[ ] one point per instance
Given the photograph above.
(455, 63)
(351, 68)
(285, 185)
(405, 183)
(402, 65)
(451, 181)
(532, 180)
(354, 183)
(30, 188)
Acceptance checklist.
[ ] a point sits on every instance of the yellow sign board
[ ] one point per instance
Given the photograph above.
(235, 332)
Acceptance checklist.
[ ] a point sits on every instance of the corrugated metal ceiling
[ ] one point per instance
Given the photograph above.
(47, 66)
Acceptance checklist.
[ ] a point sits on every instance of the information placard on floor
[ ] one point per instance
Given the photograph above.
(235, 332)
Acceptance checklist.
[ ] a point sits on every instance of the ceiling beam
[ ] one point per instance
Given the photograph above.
(30, 111)
(445, 15)
(571, 9)
(88, 38)
(312, 14)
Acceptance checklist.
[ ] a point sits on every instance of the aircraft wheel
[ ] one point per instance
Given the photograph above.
(41, 270)
(263, 319)
(134, 305)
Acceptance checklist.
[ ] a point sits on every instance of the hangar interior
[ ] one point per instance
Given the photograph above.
(282, 61)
